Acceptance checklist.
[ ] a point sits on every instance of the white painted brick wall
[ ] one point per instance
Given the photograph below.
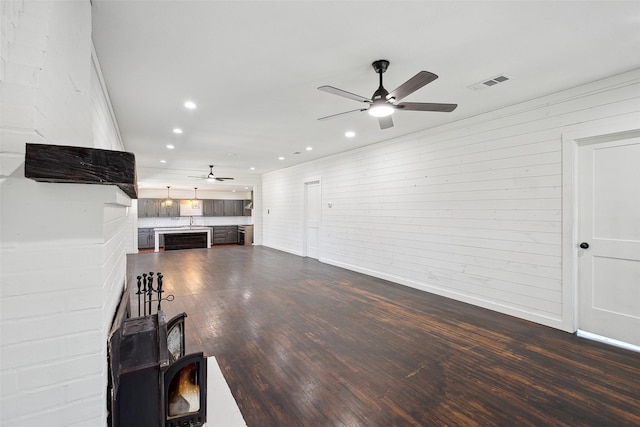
(56, 315)
(62, 246)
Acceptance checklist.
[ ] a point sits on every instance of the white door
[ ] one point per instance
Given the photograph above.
(312, 219)
(609, 223)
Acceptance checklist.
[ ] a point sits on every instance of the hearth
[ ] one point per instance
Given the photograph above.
(152, 381)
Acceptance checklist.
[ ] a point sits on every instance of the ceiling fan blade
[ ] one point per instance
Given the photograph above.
(344, 93)
(385, 122)
(426, 106)
(413, 84)
(340, 114)
(222, 179)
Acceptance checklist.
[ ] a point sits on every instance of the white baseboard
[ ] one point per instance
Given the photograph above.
(610, 341)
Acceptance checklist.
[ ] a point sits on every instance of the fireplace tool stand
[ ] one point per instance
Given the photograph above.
(146, 293)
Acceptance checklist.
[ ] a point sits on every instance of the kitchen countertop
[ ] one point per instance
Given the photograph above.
(185, 228)
(177, 230)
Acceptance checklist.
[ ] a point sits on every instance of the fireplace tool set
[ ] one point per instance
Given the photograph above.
(146, 291)
(152, 380)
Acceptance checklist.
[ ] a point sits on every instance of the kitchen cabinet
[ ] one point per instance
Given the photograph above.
(233, 207)
(218, 208)
(225, 234)
(207, 208)
(213, 207)
(154, 208)
(169, 211)
(232, 234)
(148, 208)
(145, 238)
(219, 235)
(157, 208)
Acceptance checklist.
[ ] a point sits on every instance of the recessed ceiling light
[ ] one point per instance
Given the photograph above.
(177, 130)
(309, 148)
(252, 168)
(163, 161)
(350, 134)
(280, 158)
(170, 147)
(190, 105)
(246, 188)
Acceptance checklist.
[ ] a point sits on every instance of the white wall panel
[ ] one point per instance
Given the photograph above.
(471, 210)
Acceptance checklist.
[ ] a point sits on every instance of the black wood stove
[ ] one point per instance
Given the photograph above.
(152, 381)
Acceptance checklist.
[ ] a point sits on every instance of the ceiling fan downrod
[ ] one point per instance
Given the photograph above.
(380, 107)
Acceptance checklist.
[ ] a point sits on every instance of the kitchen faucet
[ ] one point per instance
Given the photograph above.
(190, 221)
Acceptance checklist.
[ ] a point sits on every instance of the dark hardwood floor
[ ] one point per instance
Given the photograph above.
(302, 343)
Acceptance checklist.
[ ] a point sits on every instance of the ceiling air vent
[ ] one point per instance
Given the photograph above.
(493, 81)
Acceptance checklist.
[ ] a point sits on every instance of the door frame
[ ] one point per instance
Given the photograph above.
(592, 133)
(306, 182)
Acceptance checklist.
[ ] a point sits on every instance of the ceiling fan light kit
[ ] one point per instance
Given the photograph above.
(380, 109)
(383, 103)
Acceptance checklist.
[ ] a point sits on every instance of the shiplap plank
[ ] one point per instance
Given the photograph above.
(472, 208)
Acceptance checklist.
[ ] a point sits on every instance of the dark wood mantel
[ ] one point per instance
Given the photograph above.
(81, 165)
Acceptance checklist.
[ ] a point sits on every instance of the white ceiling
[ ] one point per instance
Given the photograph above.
(253, 68)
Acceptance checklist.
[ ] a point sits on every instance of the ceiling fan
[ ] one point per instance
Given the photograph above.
(211, 176)
(383, 103)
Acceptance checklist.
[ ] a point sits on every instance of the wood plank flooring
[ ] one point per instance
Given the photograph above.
(302, 343)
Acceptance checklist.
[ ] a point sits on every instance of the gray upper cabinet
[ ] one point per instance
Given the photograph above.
(207, 208)
(218, 208)
(148, 207)
(155, 208)
(213, 207)
(233, 207)
(169, 211)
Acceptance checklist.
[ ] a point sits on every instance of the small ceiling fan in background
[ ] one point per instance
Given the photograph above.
(383, 103)
(211, 176)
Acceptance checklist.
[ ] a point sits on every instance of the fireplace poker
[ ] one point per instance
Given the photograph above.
(139, 292)
(144, 293)
(159, 290)
(150, 289)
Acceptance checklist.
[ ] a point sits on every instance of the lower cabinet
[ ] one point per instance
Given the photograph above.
(225, 234)
(232, 234)
(144, 242)
(147, 239)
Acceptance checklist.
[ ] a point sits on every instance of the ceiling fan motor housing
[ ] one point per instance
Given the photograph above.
(380, 66)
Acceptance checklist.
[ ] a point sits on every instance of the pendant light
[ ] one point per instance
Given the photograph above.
(169, 202)
(195, 203)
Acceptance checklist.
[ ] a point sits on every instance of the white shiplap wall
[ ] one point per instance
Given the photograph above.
(471, 210)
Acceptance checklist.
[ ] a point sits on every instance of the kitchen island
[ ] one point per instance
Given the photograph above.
(181, 230)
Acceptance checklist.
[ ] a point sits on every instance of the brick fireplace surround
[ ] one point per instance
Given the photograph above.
(62, 246)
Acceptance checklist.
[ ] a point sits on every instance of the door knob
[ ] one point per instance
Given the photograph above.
(584, 245)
